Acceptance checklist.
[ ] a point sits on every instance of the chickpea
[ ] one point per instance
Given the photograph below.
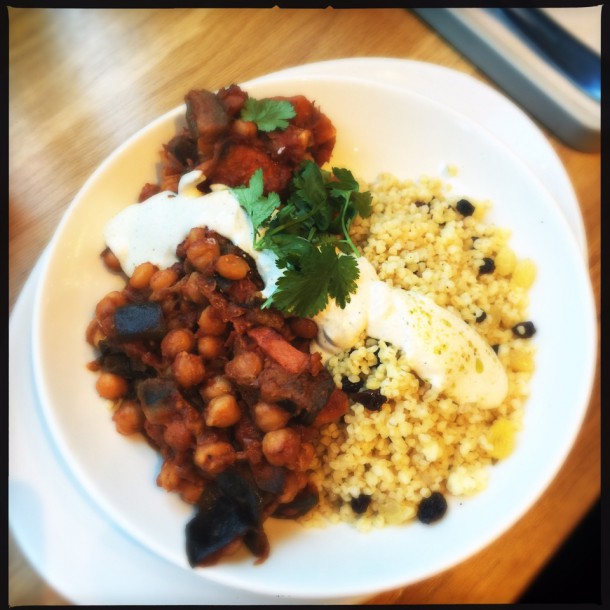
(282, 447)
(216, 386)
(168, 477)
(191, 291)
(163, 279)
(295, 481)
(191, 492)
(304, 328)
(203, 253)
(210, 347)
(129, 417)
(140, 278)
(245, 367)
(111, 386)
(195, 234)
(105, 308)
(246, 129)
(94, 333)
(110, 260)
(222, 411)
(269, 416)
(214, 457)
(177, 435)
(188, 369)
(210, 322)
(176, 341)
(232, 267)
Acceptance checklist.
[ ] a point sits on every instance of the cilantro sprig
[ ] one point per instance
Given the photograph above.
(258, 207)
(268, 114)
(309, 233)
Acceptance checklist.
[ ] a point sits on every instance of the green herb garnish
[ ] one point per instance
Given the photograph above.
(256, 205)
(309, 233)
(268, 115)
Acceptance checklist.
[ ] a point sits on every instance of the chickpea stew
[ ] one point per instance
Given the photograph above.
(227, 392)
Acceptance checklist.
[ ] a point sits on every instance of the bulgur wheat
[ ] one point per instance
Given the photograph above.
(419, 443)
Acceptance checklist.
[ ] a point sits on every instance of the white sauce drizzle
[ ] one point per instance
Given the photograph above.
(438, 345)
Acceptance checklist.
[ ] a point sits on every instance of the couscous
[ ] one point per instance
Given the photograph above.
(376, 466)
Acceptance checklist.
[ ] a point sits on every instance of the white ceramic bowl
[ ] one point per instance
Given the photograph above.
(380, 128)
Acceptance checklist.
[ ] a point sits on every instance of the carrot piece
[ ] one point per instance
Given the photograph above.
(276, 347)
(336, 406)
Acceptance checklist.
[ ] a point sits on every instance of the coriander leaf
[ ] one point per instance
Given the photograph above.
(300, 294)
(323, 273)
(345, 180)
(251, 199)
(343, 280)
(362, 202)
(268, 114)
(309, 184)
(290, 249)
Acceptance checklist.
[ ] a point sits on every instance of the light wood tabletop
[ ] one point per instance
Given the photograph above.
(83, 80)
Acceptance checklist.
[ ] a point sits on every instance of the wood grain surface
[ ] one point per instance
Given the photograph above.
(81, 81)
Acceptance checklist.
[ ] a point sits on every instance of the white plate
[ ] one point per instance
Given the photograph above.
(380, 128)
(68, 574)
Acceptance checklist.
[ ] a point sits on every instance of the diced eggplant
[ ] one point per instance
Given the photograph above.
(230, 508)
(288, 405)
(307, 393)
(242, 489)
(217, 522)
(158, 399)
(302, 503)
(115, 361)
(257, 543)
(269, 478)
(139, 321)
(184, 150)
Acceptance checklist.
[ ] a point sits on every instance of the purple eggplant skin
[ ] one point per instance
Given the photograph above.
(217, 522)
(158, 399)
(302, 503)
(231, 508)
(136, 321)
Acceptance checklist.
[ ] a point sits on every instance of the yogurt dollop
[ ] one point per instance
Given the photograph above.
(151, 230)
(439, 346)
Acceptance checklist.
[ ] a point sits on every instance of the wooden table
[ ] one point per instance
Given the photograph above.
(83, 80)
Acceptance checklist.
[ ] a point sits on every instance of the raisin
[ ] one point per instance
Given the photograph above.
(481, 316)
(360, 504)
(464, 207)
(433, 508)
(524, 330)
(370, 399)
(350, 386)
(488, 266)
